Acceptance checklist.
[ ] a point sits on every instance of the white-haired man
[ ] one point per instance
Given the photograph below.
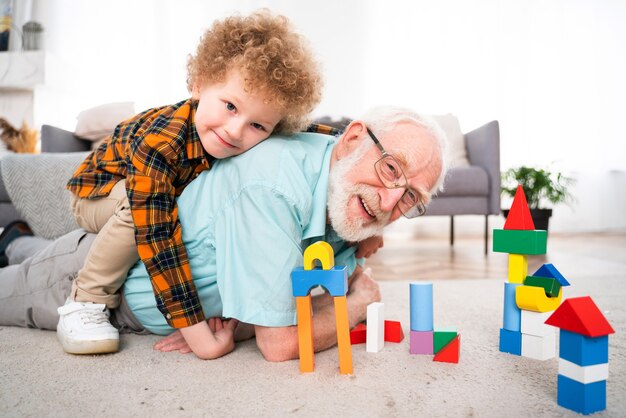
(247, 221)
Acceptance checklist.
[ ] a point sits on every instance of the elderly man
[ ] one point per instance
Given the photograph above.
(246, 223)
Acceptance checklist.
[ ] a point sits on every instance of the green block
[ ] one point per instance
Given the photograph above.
(551, 286)
(441, 338)
(515, 241)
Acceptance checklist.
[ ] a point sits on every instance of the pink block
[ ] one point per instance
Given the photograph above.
(421, 342)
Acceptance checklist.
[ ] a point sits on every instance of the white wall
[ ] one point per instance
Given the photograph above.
(551, 71)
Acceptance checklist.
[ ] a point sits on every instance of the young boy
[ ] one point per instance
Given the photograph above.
(250, 77)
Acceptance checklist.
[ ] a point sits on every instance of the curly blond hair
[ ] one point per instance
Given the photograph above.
(273, 59)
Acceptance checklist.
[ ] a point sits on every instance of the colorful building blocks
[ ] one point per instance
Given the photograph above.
(550, 286)
(359, 334)
(305, 279)
(579, 397)
(421, 305)
(533, 323)
(451, 352)
(442, 337)
(581, 316)
(520, 242)
(539, 348)
(519, 217)
(533, 298)
(393, 332)
(421, 342)
(511, 342)
(549, 271)
(584, 374)
(375, 327)
(512, 314)
(518, 268)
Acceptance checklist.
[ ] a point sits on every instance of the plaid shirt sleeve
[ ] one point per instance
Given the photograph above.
(151, 193)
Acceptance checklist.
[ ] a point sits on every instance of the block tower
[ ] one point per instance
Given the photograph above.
(335, 280)
(444, 343)
(528, 300)
(583, 355)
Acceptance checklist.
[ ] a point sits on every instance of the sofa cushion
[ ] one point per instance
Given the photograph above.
(465, 181)
(36, 186)
(98, 122)
(4, 195)
(457, 151)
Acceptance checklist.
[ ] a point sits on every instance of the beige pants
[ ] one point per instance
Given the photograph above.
(114, 251)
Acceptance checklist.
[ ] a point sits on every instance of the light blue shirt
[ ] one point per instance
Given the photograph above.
(246, 223)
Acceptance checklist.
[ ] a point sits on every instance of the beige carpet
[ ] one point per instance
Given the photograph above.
(38, 379)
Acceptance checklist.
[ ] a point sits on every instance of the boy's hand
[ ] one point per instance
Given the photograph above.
(369, 246)
(221, 343)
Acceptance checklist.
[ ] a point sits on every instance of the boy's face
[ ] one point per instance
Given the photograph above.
(230, 120)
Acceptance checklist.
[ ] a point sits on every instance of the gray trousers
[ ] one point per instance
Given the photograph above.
(31, 292)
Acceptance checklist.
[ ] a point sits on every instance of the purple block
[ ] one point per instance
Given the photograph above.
(422, 342)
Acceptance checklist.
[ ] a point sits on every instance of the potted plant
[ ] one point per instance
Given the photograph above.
(541, 186)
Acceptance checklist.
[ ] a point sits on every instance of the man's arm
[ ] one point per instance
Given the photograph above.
(281, 343)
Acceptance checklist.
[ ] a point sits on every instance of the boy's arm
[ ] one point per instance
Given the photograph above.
(369, 246)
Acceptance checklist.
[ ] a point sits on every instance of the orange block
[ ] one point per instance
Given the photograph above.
(519, 216)
(343, 335)
(451, 352)
(305, 333)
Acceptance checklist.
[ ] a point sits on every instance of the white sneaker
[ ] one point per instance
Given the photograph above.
(84, 328)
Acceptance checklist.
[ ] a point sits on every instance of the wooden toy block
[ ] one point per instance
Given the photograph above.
(421, 342)
(511, 342)
(421, 305)
(393, 332)
(534, 299)
(549, 271)
(442, 337)
(583, 350)
(321, 251)
(552, 287)
(518, 268)
(335, 280)
(584, 374)
(451, 352)
(358, 335)
(582, 316)
(305, 333)
(579, 397)
(512, 314)
(532, 323)
(375, 327)
(539, 348)
(519, 217)
(520, 242)
(343, 335)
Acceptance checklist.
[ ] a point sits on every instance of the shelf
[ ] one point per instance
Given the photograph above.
(21, 70)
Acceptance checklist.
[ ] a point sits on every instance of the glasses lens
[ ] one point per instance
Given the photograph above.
(390, 172)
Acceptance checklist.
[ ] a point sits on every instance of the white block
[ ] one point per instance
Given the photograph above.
(539, 348)
(533, 323)
(584, 374)
(375, 336)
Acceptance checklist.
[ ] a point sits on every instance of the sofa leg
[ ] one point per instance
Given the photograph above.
(486, 234)
(452, 231)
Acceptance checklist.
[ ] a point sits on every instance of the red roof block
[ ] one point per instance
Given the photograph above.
(451, 352)
(581, 316)
(358, 335)
(519, 216)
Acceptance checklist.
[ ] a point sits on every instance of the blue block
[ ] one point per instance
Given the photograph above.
(549, 271)
(335, 280)
(511, 342)
(585, 399)
(582, 350)
(421, 300)
(512, 313)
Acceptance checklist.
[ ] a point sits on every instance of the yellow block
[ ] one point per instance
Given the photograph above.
(532, 298)
(305, 333)
(518, 268)
(322, 251)
(343, 335)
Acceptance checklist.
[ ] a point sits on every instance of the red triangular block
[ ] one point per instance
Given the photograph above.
(519, 216)
(581, 316)
(358, 335)
(451, 352)
(393, 332)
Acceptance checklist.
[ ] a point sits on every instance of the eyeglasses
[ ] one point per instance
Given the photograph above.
(391, 176)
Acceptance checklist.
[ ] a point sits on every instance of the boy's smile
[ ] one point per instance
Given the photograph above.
(231, 120)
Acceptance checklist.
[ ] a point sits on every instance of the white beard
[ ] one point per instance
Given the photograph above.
(340, 191)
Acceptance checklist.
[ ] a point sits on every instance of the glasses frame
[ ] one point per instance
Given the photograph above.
(417, 209)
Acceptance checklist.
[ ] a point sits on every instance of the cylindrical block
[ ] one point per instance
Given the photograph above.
(421, 299)
(512, 314)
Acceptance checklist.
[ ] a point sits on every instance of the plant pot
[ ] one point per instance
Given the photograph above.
(541, 217)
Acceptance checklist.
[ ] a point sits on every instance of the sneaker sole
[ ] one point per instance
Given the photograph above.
(89, 347)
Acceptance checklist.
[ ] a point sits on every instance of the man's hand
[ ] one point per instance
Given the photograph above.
(362, 290)
(208, 340)
(369, 246)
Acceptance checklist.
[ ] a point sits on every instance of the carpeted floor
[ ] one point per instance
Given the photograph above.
(38, 379)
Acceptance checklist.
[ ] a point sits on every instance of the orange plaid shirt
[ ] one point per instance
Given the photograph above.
(159, 153)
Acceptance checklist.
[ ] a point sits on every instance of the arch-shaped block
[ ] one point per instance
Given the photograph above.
(532, 298)
(322, 251)
(335, 280)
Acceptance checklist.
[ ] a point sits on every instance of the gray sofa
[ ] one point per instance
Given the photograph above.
(53, 140)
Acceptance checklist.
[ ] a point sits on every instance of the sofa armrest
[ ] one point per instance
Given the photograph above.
(54, 139)
(483, 150)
